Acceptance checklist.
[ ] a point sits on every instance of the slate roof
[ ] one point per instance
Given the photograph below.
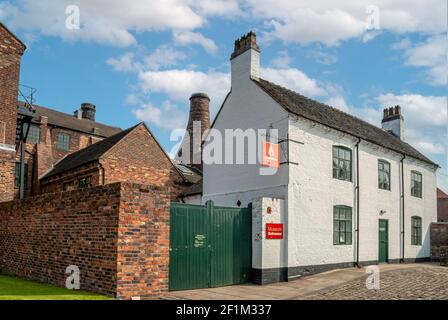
(87, 155)
(318, 112)
(68, 121)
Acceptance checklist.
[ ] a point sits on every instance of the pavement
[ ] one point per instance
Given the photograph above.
(396, 281)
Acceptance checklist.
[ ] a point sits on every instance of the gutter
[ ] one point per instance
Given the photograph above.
(402, 210)
(357, 202)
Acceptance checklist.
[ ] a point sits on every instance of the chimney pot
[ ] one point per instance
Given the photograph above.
(88, 111)
(246, 42)
(393, 121)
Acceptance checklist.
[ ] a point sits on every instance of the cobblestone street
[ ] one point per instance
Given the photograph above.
(414, 284)
(397, 281)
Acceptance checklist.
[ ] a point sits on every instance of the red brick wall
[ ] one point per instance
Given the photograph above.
(118, 236)
(143, 241)
(7, 166)
(11, 51)
(138, 158)
(439, 238)
(56, 183)
(442, 209)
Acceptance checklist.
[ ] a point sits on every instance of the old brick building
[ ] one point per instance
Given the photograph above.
(53, 135)
(11, 51)
(130, 155)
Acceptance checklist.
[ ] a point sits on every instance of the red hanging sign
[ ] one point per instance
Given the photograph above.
(274, 230)
(271, 155)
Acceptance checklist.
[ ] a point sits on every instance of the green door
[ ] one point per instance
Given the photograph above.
(383, 237)
(209, 246)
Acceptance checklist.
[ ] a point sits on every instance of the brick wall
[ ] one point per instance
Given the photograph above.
(442, 209)
(41, 236)
(143, 242)
(138, 158)
(56, 183)
(11, 51)
(439, 239)
(7, 166)
(116, 234)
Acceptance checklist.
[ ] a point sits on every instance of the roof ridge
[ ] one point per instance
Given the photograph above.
(334, 108)
(332, 117)
(69, 115)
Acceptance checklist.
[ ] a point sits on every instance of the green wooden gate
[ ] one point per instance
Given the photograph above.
(209, 246)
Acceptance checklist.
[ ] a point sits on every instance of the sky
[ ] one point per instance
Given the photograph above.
(140, 60)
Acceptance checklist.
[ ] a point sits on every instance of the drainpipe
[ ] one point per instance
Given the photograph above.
(103, 172)
(23, 137)
(402, 209)
(357, 202)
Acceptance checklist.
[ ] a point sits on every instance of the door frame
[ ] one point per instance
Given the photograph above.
(387, 243)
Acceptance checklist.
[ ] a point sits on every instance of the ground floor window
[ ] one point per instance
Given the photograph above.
(416, 232)
(342, 225)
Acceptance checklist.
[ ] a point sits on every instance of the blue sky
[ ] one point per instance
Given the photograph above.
(141, 59)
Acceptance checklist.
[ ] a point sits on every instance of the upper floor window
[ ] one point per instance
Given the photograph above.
(63, 141)
(416, 184)
(85, 182)
(342, 225)
(69, 186)
(383, 175)
(416, 231)
(342, 163)
(33, 133)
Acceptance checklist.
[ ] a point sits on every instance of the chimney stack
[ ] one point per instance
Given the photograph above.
(393, 121)
(88, 111)
(190, 152)
(245, 61)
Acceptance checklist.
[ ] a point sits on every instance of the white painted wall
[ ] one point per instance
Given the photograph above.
(268, 253)
(308, 189)
(247, 107)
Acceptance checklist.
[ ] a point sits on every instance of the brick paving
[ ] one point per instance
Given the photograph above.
(397, 281)
(420, 283)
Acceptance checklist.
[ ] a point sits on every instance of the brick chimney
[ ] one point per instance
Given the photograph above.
(245, 61)
(88, 111)
(198, 123)
(393, 121)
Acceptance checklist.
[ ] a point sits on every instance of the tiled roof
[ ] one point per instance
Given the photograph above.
(318, 112)
(87, 155)
(68, 121)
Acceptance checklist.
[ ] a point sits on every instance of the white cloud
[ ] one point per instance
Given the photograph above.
(283, 60)
(420, 111)
(338, 102)
(109, 22)
(431, 54)
(294, 79)
(124, 63)
(331, 22)
(164, 56)
(217, 7)
(167, 116)
(188, 37)
(179, 84)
